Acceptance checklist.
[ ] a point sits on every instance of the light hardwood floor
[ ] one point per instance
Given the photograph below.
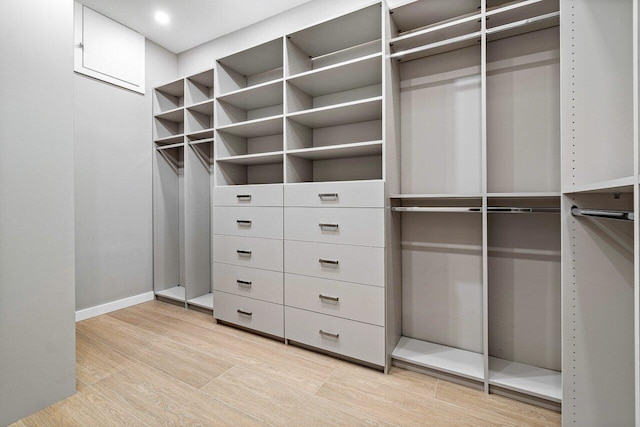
(159, 364)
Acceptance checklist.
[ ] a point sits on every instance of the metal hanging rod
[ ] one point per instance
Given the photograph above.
(437, 209)
(603, 213)
(521, 210)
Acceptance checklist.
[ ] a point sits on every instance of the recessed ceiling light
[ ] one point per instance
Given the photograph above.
(162, 17)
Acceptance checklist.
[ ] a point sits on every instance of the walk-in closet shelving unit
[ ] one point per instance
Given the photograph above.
(182, 165)
(299, 194)
(480, 193)
(600, 173)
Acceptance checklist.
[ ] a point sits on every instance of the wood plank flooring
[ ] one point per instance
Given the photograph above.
(158, 364)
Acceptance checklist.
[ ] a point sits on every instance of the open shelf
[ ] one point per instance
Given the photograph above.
(250, 67)
(620, 185)
(333, 168)
(356, 79)
(169, 97)
(199, 88)
(170, 140)
(416, 15)
(531, 380)
(350, 36)
(255, 128)
(199, 118)
(510, 18)
(451, 360)
(253, 159)
(204, 301)
(176, 115)
(335, 115)
(358, 149)
(435, 196)
(176, 293)
(200, 135)
(255, 97)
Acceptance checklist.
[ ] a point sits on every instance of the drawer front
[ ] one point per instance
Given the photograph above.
(258, 315)
(347, 300)
(349, 226)
(265, 222)
(248, 252)
(338, 194)
(248, 195)
(264, 285)
(353, 339)
(357, 264)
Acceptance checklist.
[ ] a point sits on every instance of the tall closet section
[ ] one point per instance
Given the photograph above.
(182, 181)
(299, 235)
(600, 203)
(479, 205)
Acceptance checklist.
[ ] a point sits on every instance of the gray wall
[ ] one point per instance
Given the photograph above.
(37, 331)
(113, 194)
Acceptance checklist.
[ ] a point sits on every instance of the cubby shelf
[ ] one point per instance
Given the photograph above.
(204, 107)
(451, 360)
(531, 380)
(203, 301)
(201, 134)
(169, 146)
(355, 73)
(201, 141)
(254, 159)
(435, 196)
(176, 293)
(525, 195)
(254, 128)
(358, 149)
(335, 115)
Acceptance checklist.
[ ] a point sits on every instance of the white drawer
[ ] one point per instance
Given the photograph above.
(248, 195)
(350, 226)
(358, 264)
(348, 300)
(248, 252)
(250, 313)
(353, 339)
(335, 194)
(263, 222)
(249, 282)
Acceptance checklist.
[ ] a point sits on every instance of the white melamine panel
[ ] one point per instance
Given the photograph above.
(358, 264)
(108, 51)
(523, 113)
(597, 91)
(352, 339)
(542, 383)
(248, 252)
(598, 312)
(254, 283)
(335, 194)
(176, 293)
(248, 195)
(250, 313)
(441, 143)
(349, 226)
(203, 301)
(455, 361)
(442, 279)
(248, 221)
(342, 299)
(334, 115)
(524, 289)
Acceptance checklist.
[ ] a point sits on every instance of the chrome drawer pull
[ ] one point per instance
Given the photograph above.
(328, 261)
(243, 283)
(246, 313)
(326, 225)
(324, 297)
(243, 253)
(332, 196)
(244, 196)
(244, 222)
(329, 334)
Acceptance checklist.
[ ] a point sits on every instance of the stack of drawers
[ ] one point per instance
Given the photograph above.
(248, 257)
(334, 261)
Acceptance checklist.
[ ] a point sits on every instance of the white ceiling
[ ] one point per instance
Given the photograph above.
(193, 22)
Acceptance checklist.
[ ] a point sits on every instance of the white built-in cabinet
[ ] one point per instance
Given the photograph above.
(422, 187)
(182, 182)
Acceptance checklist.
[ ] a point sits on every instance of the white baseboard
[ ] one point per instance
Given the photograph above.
(90, 312)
